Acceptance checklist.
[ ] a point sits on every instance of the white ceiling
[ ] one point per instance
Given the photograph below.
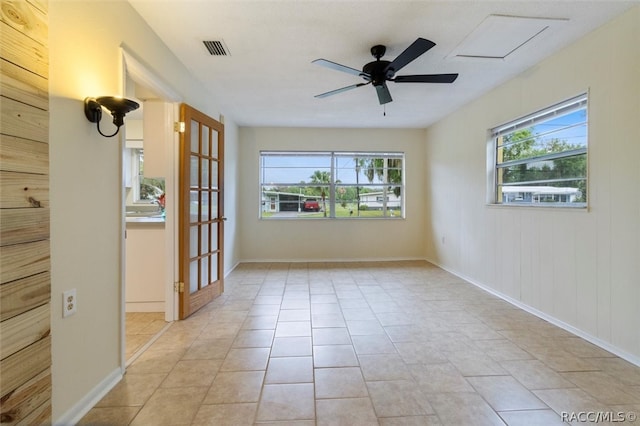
(268, 78)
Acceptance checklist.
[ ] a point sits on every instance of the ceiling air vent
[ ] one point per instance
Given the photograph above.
(216, 48)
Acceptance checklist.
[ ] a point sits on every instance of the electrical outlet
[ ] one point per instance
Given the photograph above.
(69, 303)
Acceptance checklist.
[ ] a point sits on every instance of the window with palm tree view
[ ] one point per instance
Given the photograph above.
(541, 159)
(331, 184)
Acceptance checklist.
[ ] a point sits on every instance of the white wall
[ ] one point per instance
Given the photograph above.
(578, 267)
(314, 240)
(86, 187)
(232, 187)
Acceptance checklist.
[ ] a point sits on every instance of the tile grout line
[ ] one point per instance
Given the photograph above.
(147, 345)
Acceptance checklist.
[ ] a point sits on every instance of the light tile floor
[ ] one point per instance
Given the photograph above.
(388, 343)
(140, 328)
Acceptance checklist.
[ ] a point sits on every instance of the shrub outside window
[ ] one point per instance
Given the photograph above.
(308, 185)
(541, 159)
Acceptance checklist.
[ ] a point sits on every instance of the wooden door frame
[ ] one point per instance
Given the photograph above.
(134, 69)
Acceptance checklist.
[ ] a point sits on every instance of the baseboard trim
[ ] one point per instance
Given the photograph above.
(233, 268)
(542, 315)
(145, 306)
(86, 403)
(334, 260)
(147, 345)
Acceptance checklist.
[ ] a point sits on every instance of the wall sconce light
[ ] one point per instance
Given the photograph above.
(118, 107)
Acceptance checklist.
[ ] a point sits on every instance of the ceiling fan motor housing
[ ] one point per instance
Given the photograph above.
(378, 71)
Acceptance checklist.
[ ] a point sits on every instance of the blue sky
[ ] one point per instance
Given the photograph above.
(573, 125)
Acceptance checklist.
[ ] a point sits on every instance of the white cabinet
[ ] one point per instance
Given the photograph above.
(145, 268)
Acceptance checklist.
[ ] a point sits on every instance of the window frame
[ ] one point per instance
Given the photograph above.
(330, 200)
(542, 116)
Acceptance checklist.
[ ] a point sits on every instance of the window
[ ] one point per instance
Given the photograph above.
(541, 159)
(331, 184)
(145, 190)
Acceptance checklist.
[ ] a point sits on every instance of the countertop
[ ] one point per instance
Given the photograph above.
(145, 220)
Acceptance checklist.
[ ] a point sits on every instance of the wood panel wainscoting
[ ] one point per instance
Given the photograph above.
(25, 277)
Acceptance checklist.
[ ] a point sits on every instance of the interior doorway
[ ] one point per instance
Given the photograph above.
(149, 200)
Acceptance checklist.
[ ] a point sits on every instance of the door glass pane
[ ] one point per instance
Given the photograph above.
(205, 140)
(214, 267)
(214, 144)
(205, 207)
(193, 276)
(195, 137)
(204, 239)
(214, 237)
(193, 241)
(204, 272)
(214, 205)
(195, 172)
(193, 206)
(214, 174)
(204, 171)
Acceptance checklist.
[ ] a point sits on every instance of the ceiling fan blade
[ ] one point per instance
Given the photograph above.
(426, 78)
(384, 96)
(338, 67)
(416, 49)
(335, 92)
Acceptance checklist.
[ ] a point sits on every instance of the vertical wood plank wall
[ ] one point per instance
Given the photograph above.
(25, 278)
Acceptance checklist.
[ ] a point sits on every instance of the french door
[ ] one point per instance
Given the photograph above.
(201, 210)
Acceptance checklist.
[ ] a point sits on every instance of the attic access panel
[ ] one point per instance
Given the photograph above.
(498, 36)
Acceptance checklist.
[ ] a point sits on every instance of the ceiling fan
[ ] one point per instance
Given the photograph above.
(379, 71)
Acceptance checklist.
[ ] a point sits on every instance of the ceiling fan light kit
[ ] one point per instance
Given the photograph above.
(379, 72)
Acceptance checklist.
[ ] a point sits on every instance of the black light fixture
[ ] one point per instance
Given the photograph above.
(118, 107)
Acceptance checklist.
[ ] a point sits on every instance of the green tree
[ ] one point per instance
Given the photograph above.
(518, 145)
(524, 144)
(386, 170)
(375, 167)
(322, 179)
(346, 195)
(360, 163)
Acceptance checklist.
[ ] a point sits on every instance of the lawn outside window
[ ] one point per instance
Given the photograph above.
(541, 159)
(330, 184)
